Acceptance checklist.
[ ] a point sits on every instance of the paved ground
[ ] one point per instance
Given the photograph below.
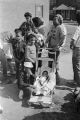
(63, 109)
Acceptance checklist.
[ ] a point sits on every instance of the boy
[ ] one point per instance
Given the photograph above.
(18, 45)
(27, 26)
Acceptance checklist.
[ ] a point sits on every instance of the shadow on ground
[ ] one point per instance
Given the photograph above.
(64, 112)
(53, 116)
(65, 84)
(9, 91)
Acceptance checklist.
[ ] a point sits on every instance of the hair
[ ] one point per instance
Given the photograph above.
(29, 37)
(78, 17)
(17, 30)
(37, 21)
(60, 18)
(45, 72)
(27, 14)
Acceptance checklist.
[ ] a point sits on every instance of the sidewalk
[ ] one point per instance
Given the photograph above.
(12, 106)
(65, 64)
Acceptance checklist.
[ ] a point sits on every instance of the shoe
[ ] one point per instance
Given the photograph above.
(21, 94)
(1, 109)
(15, 81)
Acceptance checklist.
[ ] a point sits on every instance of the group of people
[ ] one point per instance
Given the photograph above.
(26, 43)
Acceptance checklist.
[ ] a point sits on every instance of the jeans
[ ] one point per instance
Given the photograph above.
(76, 64)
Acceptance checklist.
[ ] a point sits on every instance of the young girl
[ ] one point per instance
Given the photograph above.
(30, 52)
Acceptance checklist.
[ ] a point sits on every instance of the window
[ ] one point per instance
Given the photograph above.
(39, 10)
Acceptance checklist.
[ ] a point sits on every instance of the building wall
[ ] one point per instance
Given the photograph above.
(72, 3)
(12, 12)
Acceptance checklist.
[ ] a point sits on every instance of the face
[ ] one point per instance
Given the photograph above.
(28, 19)
(32, 41)
(55, 21)
(18, 34)
(45, 74)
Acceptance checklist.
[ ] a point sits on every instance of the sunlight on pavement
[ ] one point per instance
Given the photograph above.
(65, 65)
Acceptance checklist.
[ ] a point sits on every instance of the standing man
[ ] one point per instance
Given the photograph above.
(75, 45)
(27, 26)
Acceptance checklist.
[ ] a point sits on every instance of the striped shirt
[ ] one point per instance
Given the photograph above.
(76, 37)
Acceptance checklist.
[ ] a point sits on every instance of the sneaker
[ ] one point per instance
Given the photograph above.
(15, 81)
(1, 109)
(21, 94)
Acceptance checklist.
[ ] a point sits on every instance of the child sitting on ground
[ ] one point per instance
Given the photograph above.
(45, 83)
(41, 82)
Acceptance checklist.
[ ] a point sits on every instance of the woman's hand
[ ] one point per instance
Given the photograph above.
(72, 44)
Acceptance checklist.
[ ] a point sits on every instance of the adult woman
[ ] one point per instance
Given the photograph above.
(56, 38)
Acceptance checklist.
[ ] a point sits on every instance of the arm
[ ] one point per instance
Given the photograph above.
(34, 29)
(74, 38)
(61, 33)
(27, 54)
(50, 33)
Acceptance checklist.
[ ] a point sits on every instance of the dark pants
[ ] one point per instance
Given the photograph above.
(19, 72)
(3, 62)
(21, 75)
(76, 64)
(53, 57)
(28, 91)
(39, 62)
(34, 68)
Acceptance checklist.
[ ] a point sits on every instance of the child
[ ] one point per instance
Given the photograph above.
(27, 26)
(35, 89)
(42, 86)
(30, 52)
(18, 45)
(41, 82)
